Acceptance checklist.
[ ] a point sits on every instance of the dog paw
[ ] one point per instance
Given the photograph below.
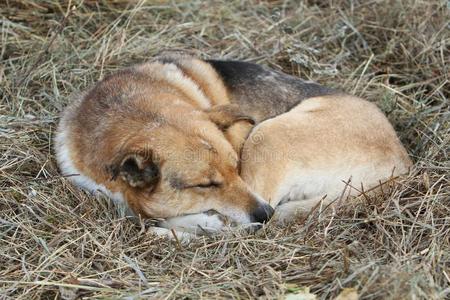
(172, 234)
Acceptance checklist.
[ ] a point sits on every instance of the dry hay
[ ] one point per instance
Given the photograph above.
(56, 241)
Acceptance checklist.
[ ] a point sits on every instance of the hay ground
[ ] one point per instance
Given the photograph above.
(58, 242)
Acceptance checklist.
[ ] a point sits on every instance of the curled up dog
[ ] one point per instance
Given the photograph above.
(208, 144)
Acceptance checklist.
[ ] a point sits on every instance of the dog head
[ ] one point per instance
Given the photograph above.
(181, 163)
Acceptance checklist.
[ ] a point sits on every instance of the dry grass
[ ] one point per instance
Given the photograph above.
(56, 241)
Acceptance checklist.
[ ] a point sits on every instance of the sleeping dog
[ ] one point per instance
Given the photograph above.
(210, 143)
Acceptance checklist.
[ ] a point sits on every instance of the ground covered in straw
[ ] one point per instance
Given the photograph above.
(56, 241)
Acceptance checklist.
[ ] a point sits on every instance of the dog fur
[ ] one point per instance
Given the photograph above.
(327, 143)
(197, 142)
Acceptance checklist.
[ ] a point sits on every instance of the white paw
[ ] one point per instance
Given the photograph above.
(175, 234)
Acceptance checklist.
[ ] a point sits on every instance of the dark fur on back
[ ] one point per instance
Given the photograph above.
(262, 92)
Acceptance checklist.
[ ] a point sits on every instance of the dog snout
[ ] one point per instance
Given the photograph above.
(262, 213)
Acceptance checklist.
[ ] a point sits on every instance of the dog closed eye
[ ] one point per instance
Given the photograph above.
(179, 184)
(211, 184)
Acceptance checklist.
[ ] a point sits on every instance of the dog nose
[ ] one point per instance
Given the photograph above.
(262, 213)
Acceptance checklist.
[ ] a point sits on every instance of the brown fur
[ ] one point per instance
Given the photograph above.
(157, 115)
(320, 145)
(167, 137)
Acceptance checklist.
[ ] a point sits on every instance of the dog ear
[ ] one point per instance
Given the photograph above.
(226, 115)
(137, 171)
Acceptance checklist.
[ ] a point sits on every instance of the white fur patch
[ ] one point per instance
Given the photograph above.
(194, 223)
(303, 184)
(63, 156)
